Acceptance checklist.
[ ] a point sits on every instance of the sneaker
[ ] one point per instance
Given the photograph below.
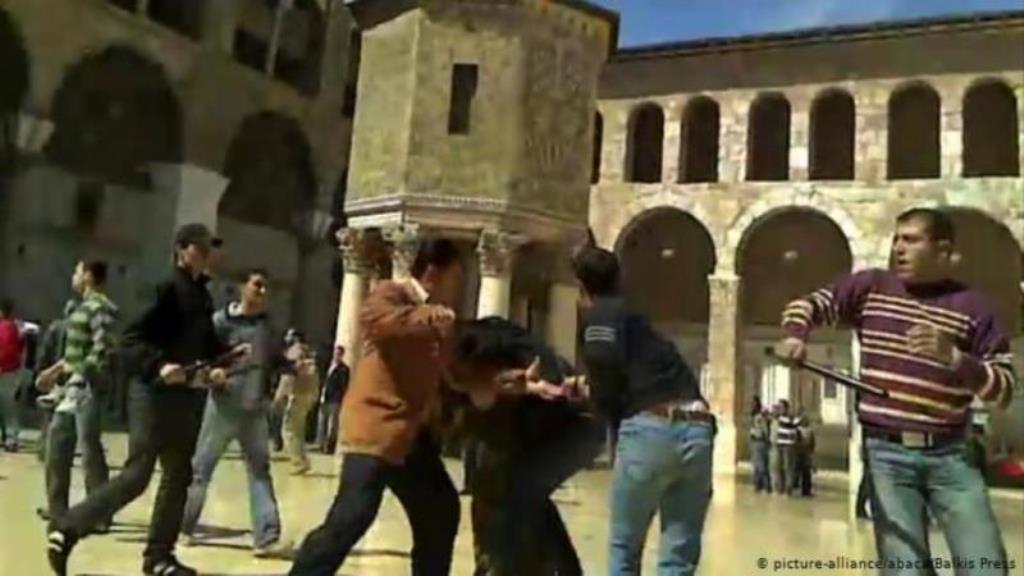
(43, 514)
(58, 549)
(168, 566)
(277, 550)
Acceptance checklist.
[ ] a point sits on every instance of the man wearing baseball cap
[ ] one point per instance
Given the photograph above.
(173, 335)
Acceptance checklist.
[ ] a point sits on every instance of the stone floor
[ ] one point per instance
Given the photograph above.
(742, 527)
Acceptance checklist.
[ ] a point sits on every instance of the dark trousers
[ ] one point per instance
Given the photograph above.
(163, 425)
(65, 431)
(425, 491)
(524, 518)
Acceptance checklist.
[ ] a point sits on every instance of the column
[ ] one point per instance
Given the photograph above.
(951, 138)
(855, 467)
(562, 311)
(799, 137)
(219, 21)
(732, 137)
(672, 142)
(871, 147)
(275, 36)
(497, 253)
(405, 241)
(723, 355)
(354, 287)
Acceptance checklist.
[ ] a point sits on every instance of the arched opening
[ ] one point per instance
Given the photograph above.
(184, 16)
(698, 161)
(914, 145)
(646, 139)
(990, 130)
(13, 89)
(784, 255)
(115, 113)
(768, 138)
(270, 168)
(833, 120)
(990, 261)
(300, 53)
(292, 36)
(595, 162)
(667, 256)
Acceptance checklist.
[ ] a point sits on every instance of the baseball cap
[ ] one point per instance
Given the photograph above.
(196, 234)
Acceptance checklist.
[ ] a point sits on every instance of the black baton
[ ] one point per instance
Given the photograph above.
(834, 375)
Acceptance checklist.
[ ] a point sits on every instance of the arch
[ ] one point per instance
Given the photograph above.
(768, 138)
(300, 55)
(698, 152)
(667, 255)
(271, 172)
(14, 61)
(990, 125)
(787, 253)
(184, 16)
(833, 124)
(115, 112)
(914, 141)
(646, 141)
(595, 162)
(990, 261)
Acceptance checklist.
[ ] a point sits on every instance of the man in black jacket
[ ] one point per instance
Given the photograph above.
(166, 400)
(638, 379)
(335, 385)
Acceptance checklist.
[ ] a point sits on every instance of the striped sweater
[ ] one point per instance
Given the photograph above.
(88, 337)
(925, 395)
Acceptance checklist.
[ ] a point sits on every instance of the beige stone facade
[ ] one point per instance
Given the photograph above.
(215, 82)
(736, 210)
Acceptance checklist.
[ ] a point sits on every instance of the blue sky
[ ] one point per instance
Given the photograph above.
(654, 21)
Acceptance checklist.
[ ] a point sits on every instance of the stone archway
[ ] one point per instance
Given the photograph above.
(115, 113)
(784, 254)
(266, 210)
(667, 256)
(14, 61)
(990, 260)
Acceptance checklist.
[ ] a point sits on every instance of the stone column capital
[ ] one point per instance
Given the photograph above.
(355, 247)
(404, 240)
(497, 251)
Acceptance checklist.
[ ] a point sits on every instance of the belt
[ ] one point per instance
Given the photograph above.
(677, 412)
(913, 439)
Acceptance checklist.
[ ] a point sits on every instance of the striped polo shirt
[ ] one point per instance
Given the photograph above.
(925, 395)
(89, 336)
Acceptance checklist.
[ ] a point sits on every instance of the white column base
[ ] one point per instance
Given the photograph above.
(725, 449)
(495, 296)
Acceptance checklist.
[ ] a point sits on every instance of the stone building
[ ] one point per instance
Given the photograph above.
(734, 175)
(730, 175)
(480, 133)
(123, 118)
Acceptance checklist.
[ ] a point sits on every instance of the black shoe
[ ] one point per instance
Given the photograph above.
(167, 566)
(58, 549)
(43, 514)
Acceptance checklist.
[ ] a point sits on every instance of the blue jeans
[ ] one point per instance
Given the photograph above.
(910, 483)
(759, 458)
(664, 467)
(220, 427)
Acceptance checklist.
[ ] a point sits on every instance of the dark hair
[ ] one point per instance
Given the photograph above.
(98, 269)
(598, 270)
(6, 307)
(937, 223)
(498, 343)
(439, 253)
(251, 272)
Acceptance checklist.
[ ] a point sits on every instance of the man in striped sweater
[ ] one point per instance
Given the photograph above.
(934, 344)
(85, 365)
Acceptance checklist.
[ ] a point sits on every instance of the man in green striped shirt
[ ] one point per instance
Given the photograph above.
(88, 343)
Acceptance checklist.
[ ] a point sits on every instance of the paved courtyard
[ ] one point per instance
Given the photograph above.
(742, 527)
